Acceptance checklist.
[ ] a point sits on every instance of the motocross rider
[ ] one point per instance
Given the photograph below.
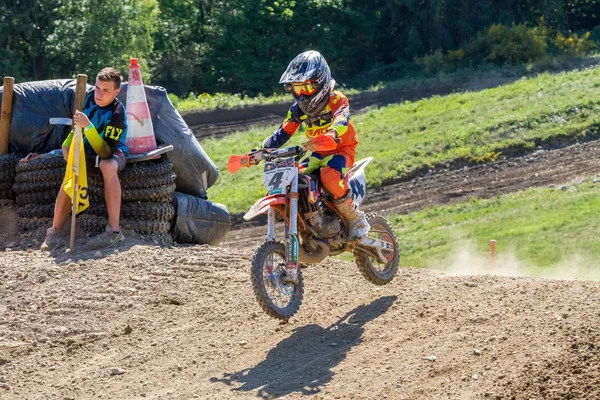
(333, 139)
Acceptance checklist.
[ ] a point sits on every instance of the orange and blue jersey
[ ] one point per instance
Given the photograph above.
(334, 119)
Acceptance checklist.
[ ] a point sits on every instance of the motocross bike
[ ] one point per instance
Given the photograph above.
(313, 230)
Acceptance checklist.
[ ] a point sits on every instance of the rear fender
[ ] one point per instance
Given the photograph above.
(262, 205)
(357, 181)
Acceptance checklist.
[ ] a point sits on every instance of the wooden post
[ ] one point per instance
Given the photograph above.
(492, 254)
(80, 92)
(7, 98)
(79, 100)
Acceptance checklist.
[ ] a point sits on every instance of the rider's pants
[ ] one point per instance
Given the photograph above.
(333, 170)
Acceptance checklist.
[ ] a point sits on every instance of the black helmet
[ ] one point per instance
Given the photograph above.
(309, 66)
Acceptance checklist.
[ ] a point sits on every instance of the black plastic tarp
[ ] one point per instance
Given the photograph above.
(34, 103)
(200, 221)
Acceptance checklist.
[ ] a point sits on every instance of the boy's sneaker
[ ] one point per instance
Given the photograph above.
(53, 240)
(107, 238)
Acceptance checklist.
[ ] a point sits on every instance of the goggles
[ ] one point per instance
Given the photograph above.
(306, 88)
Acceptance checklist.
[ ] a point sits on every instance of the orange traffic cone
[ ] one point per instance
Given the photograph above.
(140, 134)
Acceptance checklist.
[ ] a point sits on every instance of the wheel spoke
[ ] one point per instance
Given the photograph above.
(278, 292)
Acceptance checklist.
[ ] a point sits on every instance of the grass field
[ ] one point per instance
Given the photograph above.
(550, 232)
(468, 127)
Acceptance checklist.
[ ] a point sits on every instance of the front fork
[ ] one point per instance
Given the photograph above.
(291, 233)
(291, 246)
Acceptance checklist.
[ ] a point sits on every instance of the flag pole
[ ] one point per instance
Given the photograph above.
(75, 200)
(79, 100)
(7, 98)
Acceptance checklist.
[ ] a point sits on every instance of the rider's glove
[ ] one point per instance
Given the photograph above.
(255, 154)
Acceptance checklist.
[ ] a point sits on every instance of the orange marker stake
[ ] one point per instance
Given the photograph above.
(492, 253)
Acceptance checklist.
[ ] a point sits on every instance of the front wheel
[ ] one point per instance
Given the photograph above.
(277, 298)
(369, 265)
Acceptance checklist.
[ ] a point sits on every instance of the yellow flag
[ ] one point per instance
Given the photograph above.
(76, 172)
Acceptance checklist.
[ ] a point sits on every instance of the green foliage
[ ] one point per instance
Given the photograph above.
(573, 45)
(380, 73)
(174, 100)
(11, 65)
(414, 45)
(595, 35)
(24, 29)
(243, 46)
(180, 46)
(241, 63)
(432, 63)
(454, 60)
(514, 44)
(89, 35)
(58, 39)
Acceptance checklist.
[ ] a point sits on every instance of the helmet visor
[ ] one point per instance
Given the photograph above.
(306, 88)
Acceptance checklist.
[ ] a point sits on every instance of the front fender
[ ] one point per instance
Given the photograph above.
(262, 205)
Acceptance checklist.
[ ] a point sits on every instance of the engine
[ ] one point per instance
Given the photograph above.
(323, 223)
(327, 223)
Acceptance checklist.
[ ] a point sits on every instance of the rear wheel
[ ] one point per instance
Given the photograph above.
(369, 265)
(278, 299)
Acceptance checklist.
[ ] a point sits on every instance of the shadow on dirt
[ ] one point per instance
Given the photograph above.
(304, 361)
(81, 251)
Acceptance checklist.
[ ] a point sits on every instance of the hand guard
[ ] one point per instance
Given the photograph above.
(326, 142)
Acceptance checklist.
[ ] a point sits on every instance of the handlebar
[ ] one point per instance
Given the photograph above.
(270, 155)
(252, 158)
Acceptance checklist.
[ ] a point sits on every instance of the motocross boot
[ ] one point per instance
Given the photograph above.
(356, 219)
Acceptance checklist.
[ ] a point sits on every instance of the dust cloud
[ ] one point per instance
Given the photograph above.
(466, 260)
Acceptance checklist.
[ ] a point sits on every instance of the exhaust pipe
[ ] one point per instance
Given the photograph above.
(316, 256)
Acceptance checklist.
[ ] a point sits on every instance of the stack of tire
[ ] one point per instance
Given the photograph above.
(147, 196)
(37, 183)
(7, 176)
(147, 200)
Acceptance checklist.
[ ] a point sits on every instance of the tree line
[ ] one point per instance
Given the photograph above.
(243, 46)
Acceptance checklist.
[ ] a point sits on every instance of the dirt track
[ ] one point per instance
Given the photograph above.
(183, 324)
